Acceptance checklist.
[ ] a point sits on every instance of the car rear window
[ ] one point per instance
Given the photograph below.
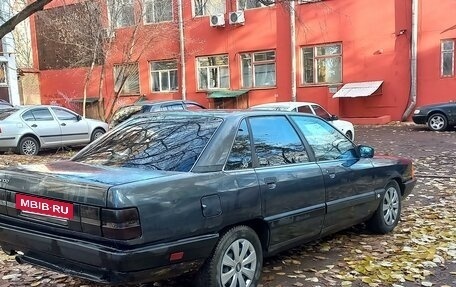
(4, 113)
(171, 143)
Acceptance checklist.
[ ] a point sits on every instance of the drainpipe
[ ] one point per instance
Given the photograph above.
(182, 49)
(293, 49)
(413, 62)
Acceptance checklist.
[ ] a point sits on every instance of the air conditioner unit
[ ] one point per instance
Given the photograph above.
(217, 20)
(237, 17)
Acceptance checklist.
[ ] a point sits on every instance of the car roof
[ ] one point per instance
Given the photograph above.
(284, 105)
(159, 102)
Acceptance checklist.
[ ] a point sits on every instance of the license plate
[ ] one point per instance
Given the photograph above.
(43, 206)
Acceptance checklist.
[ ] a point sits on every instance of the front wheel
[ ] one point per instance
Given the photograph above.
(236, 261)
(388, 213)
(96, 134)
(437, 122)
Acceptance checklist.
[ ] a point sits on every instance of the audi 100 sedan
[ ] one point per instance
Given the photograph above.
(28, 129)
(210, 192)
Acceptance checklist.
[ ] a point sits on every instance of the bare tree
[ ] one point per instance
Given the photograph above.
(30, 9)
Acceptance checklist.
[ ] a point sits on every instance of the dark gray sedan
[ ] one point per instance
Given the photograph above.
(207, 192)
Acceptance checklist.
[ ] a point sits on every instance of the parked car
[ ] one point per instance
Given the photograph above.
(126, 112)
(345, 127)
(438, 117)
(208, 192)
(28, 129)
(5, 105)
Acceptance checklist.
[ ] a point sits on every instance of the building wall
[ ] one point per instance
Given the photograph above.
(434, 27)
(375, 37)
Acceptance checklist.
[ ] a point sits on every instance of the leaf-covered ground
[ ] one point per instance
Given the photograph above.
(420, 252)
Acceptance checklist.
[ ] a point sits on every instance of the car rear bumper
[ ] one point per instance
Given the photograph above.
(7, 143)
(408, 187)
(105, 264)
(419, 119)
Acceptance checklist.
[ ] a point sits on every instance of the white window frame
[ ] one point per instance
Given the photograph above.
(449, 51)
(160, 73)
(255, 63)
(152, 2)
(4, 70)
(118, 5)
(129, 78)
(208, 70)
(316, 58)
(208, 7)
(239, 6)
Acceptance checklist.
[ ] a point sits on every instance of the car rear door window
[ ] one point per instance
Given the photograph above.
(241, 154)
(173, 107)
(276, 142)
(326, 141)
(42, 114)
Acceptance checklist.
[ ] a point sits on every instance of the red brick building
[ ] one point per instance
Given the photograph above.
(238, 53)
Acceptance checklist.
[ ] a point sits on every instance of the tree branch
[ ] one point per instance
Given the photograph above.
(9, 25)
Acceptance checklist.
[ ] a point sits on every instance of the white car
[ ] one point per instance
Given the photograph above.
(27, 129)
(311, 108)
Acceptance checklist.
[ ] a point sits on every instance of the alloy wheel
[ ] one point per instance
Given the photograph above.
(29, 147)
(239, 264)
(437, 122)
(391, 206)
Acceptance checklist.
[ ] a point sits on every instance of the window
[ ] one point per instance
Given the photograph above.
(276, 142)
(241, 154)
(121, 13)
(40, 114)
(209, 7)
(3, 81)
(249, 4)
(448, 54)
(213, 72)
(158, 11)
(305, 109)
(164, 76)
(258, 69)
(126, 79)
(172, 107)
(326, 142)
(322, 64)
(64, 115)
(309, 1)
(322, 113)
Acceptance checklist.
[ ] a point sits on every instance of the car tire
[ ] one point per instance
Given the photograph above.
(349, 135)
(437, 122)
(388, 213)
(96, 134)
(28, 146)
(238, 256)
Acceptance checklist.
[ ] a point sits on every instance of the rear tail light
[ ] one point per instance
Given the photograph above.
(121, 224)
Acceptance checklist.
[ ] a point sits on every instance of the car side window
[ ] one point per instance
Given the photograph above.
(305, 109)
(28, 116)
(193, 107)
(276, 142)
(241, 154)
(64, 115)
(322, 113)
(174, 107)
(326, 141)
(42, 114)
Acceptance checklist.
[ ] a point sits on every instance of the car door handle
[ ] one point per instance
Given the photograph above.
(331, 172)
(34, 126)
(63, 124)
(270, 182)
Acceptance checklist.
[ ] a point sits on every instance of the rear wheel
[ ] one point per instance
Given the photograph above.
(437, 122)
(28, 146)
(236, 261)
(96, 134)
(388, 212)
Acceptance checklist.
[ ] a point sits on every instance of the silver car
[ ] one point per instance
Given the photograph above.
(27, 129)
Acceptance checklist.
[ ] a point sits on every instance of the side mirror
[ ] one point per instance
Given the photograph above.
(365, 151)
(78, 118)
(333, 118)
